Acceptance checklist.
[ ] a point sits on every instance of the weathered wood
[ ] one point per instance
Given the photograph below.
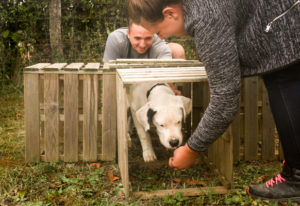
(32, 115)
(71, 117)
(55, 28)
(36, 67)
(108, 144)
(109, 117)
(281, 154)
(251, 121)
(122, 134)
(222, 146)
(150, 64)
(152, 61)
(163, 70)
(197, 97)
(55, 67)
(236, 137)
(62, 117)
(90, 113)
(62, 158)
(226, 162)
(268, 128)
(51, 92)
(186, 192)
(131, 76)
(92, 67)
(74, 66)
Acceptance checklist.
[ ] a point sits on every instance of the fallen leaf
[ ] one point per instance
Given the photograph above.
(61, 185)
(112, 177)
(68, 175)
(95, 164)
(57, 186)
(133, 182)
(120, 194)
(177, 180)
(195, 182)
(260, 179)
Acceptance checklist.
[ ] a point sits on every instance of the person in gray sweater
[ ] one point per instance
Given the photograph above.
(135, 42)
(236, 39)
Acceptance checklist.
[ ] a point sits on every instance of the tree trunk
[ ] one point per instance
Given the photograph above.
(55, 29)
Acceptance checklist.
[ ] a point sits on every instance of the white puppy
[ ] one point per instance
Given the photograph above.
(157, 104)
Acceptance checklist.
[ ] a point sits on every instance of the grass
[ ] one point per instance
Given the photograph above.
(87, 184)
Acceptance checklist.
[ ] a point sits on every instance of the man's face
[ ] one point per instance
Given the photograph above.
(140, 38)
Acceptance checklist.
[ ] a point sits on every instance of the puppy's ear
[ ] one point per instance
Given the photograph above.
(187, 104)
(145, 115)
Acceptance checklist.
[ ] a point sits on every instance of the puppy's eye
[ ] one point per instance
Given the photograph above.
(162, 125)
(178, 122)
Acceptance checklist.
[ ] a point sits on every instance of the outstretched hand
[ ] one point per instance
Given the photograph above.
(184, 158)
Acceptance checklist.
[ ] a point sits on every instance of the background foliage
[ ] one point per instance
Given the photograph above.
(24, 32)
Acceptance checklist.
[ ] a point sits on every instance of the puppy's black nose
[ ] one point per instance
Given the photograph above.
(174, 142)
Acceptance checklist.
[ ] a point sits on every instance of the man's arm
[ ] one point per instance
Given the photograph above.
(160, 49)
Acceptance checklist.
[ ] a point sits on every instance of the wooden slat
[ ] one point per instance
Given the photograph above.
(157, 64)
(122, 134)
(268, 129)
(37, 67)
(166, 80)
(92, 67)
(62, 158)
(32, 115)
(226, 162)
(281, 154)
(251, 120)
(62, 117)
(185, 192)
(74, 66)
(168, 75)
(90, 111)
(151, 60)
(130, 76)
(55, 67)
(71, 88)
(166, 70)
(51, 92)
(236, 137)
(197, 97)
(109, 117)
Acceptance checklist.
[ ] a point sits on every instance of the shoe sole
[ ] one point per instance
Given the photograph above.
(293, 199)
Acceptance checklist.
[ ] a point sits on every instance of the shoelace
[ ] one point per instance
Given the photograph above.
(271, 182)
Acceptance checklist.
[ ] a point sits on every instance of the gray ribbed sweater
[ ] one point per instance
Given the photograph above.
(231, 42)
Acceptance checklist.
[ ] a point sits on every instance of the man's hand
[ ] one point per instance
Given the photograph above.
(175, 89)
(184, 158)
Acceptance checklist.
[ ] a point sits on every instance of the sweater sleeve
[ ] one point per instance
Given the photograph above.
(216, 48)
(116, 46)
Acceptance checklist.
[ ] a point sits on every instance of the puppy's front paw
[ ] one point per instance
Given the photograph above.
(149, 156)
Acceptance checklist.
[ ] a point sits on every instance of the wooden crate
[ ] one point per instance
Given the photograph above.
(253, 130)
(63, 115)
(166, 71)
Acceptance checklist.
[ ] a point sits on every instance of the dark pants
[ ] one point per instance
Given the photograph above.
(284, 95)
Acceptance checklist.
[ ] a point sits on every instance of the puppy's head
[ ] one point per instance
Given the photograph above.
(167, 119)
